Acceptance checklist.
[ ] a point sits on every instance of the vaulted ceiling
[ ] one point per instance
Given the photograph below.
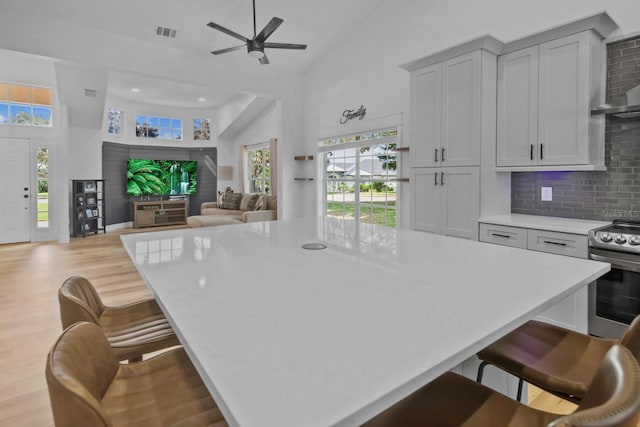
(319, 24)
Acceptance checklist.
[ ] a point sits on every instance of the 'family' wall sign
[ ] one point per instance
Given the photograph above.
(352, 114)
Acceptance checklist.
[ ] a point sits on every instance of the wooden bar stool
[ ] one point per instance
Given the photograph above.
(453, 400)
(132, 330)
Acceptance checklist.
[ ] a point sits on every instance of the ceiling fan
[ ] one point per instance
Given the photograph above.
(256, 45)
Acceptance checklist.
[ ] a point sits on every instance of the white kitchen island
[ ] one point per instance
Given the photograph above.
(284, 336)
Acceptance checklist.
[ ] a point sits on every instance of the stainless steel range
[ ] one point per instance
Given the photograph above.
(614, 299)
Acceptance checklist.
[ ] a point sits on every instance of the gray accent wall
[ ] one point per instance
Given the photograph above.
(595, 195)
(114, 172)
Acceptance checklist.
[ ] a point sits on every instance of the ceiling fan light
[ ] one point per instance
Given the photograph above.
(257, 54)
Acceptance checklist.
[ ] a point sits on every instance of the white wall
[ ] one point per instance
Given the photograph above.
(262, 129)
(363, 68)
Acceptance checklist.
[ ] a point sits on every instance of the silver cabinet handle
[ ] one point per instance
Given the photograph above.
(554, 243)
(441, 178)
(436, 155)
(506, 236)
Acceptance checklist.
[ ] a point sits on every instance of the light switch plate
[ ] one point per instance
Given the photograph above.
(547, 194)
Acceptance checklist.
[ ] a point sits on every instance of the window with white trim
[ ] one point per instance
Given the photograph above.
(158, 127)
(201, 129)
(259, 169)
(42, 173)
(25, 105)
(359, 178)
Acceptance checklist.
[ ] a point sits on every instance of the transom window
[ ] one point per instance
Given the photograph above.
(113, 121)
(359, 180)
(201, 129)
(25, 105)
(158, 127)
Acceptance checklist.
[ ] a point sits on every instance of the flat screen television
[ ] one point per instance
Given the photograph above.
(161, 177)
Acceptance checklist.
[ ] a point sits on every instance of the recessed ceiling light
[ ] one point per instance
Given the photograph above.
(201, 99)
(135, 90)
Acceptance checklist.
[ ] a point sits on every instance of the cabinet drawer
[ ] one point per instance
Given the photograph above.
(503, 235)
(558, 243)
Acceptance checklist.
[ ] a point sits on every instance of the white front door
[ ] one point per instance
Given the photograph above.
(15, 188)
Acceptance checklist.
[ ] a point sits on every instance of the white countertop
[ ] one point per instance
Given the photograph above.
(550, 223)
(284, 336)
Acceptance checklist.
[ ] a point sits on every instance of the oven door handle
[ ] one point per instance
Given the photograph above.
(621, 264)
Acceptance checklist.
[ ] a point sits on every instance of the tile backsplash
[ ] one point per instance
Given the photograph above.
(595, 195)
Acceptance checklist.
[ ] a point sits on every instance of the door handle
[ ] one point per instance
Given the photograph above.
(26, 196)
(441, 178)
(531, 153)
(436, 155)
(541, 151)
(442, 155)
(435, 178)
(26, 188)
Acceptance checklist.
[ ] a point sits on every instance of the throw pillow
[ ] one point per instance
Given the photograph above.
(261, 203)
(231, 201)
(248, 202)
(220, 198)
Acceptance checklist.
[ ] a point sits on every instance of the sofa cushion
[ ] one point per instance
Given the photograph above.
(272, 202)
(261, 203)
(248, 201)
(231, 201)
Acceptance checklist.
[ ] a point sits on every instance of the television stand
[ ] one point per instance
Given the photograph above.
(163, 212)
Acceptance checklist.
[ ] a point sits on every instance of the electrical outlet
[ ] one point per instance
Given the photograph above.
(547, 194)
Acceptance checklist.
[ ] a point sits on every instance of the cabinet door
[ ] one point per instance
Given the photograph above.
(425, 199)
(461, 128)
(426, 113)
(517, 134)
(460, 202)
(563, 111)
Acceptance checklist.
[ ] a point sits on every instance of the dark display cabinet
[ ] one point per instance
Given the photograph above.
(87, 207)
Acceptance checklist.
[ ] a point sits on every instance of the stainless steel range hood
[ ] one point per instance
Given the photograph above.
(627, 105)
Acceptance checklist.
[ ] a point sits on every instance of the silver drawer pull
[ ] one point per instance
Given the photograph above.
(506, 236)
(554, 243)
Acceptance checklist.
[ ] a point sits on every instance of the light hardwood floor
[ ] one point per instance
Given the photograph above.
(30, 275)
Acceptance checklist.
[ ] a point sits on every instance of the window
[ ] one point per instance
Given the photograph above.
(25, 105)
(359, 181)
(113, 121)
(158, 127)
(42, 173)
(201, 129)
(259, 170)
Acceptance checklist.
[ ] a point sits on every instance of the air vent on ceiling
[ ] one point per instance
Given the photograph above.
(166, 32)
(91, 93)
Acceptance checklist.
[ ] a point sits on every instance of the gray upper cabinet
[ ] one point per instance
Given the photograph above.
(445, 112)
(545, 95)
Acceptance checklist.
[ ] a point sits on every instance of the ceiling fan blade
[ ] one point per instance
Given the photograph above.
(227, 31)
(264, 60)
(229, 49)
(285, 46)
(268, 29)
